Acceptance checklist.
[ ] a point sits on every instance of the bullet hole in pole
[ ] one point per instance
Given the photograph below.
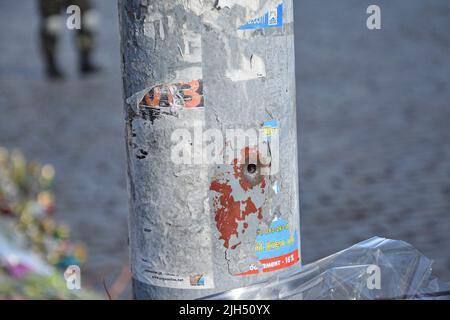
(251, 168)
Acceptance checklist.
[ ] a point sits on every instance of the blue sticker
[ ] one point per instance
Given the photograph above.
(276, 241)
(270, 128)
(272, 19)
(201, 281)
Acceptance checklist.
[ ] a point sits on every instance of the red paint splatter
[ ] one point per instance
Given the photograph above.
(228, 214)
(249, 207)
(263, 184)
(228, 211)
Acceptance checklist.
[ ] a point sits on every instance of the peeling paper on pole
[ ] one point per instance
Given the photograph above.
(171, 97)
(168, 99)
(254, 235)
(226, 225)
(252, 68)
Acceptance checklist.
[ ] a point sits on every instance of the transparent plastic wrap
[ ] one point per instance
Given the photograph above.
(377, 268)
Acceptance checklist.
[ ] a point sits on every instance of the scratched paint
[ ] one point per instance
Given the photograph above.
(241, 208)
(228, 210)
(242, 204)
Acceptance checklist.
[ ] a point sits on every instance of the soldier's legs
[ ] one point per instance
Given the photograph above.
(85, 36)
(51, 25)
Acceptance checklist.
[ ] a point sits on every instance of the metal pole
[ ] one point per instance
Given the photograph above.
(195, 73)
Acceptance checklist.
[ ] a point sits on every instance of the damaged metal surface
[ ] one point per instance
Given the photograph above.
(196, 229)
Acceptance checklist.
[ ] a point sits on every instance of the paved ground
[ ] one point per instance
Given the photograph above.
(374, 134)
(374, 125)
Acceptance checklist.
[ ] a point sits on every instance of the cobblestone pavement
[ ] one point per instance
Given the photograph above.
(374, 110)
(374, 119)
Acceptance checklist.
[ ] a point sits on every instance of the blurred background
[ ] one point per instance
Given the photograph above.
(373, 113)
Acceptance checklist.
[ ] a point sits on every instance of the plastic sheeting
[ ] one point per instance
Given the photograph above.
(377, 268)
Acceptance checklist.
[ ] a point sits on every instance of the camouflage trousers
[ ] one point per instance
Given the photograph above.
(53, 10)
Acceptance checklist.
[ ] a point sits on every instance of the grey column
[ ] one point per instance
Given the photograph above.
(196, 66)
